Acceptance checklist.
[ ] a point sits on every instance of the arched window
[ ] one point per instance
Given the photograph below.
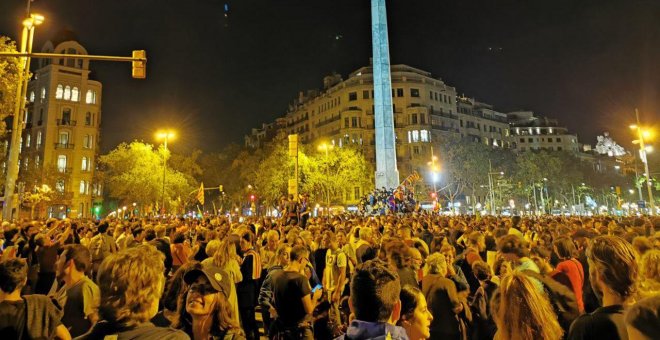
(89, 97)
(59, 93)
(61, 163)
(64, 138)
(32, 95)
(74, 94)
(67, 92)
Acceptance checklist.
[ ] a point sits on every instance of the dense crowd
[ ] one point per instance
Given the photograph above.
(383, 201)
(407, 276)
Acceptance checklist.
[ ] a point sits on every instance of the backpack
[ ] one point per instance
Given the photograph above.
(99, 248)
(561, 298)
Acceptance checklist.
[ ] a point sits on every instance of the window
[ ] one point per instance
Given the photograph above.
(41, 117)
(558, 140)
(422, 118)
(88, 118)
(84, 187)
(414, 93)
(66, 116)
(346, 122)
(424, 136)
(67, 92)
(531, 140)
(61, 163)
(38, 139)
(365, 94)
(550, 140)
(89, 97)
(43, 94)
(36, 161)
(415, 150)
(85, 164)
(75, 94)
(415, 136)
(59, 185)
(28, 138)
(352, 96)
(32, 95)
(354, 122)
(59, 93)
(522, 140)
(413, 118)
(430, 95)
(88, 141)
(399, 92)
(63, 138)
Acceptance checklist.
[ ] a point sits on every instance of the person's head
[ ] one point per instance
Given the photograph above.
(436, 263)
(247, 240)
(131, 282)
(74, 259)
(212, 247)
(366, 234)
(375, 290)
(642, 245)
(299, 256)
(612, 266)
(477, 240)
(643, 319)
(512, 247)
(416, 259)
(178, 237)
(160, 231)
(206, 298)
(564, 247)
(329, 240)
(397, 254)
(481, 270)
(283, 254)
(415, 315)
(272, 238)
(520, 311)
(13, 275)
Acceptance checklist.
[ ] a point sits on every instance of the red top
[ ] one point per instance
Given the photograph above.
(573, 269)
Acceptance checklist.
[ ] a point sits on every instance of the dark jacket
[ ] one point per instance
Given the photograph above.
(362, 330)
(145, 331)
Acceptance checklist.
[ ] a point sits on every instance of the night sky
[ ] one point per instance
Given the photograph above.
(588, 63)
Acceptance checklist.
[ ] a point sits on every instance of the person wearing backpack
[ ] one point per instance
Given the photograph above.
(101, 246)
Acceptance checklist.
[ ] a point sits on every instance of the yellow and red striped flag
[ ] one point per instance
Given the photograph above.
(200, 194)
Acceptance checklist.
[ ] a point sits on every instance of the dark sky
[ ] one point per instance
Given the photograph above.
(588, 63)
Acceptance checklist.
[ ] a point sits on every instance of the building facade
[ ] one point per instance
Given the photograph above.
(425, 108)
(62, 129)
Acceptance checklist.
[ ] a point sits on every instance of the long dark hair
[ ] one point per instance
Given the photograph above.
(223, 321)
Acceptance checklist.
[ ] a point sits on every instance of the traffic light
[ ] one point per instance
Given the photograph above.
(139, 64)
(252, 197)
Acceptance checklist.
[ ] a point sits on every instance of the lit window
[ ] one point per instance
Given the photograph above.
(409, 136)
(67, 92)
(74, 94)
(550, 130)
(538, 131)
(61, 163)
(82, 187)
(87, 141)
(85, 164)
(59, 93)
(415, 136)
(32, 95)
(64, 138)
(43, 94)
(424, 135)
(36, 161)
(59, 185)
(38, 139)
(89, 97)
(28, 137)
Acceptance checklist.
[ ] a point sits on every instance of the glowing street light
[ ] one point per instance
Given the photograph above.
(641, 135)
(165, 136)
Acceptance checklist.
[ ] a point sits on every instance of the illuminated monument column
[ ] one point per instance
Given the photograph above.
(387, 174)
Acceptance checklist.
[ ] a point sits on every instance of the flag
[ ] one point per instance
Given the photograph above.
(200, 194)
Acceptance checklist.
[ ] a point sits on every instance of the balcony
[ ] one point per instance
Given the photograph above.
(66, 122)
(64, 170)
(63, 146)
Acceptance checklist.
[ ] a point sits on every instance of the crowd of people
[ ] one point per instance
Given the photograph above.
(383, 201)
(397, 276)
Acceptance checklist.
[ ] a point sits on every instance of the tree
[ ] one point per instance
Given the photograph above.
(38, 195)
(134, 173)
(9, 74)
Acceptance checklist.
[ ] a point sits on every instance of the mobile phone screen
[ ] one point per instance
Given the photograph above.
(316, 288)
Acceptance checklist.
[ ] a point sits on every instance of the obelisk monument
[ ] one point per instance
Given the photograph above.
(387, 174)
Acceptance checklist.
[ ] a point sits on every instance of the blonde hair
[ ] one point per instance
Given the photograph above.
(522, 312)
(131, 282)
(225, 253)
(649, 270)
(436, 263)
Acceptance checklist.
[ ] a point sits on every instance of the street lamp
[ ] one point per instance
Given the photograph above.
(327, 147)
(165, 136)
(434, 172)
(27, 39)
(641, 135)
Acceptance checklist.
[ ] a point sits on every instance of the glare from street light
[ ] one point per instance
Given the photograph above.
(648, 149)
(165, 134)
(633, 126)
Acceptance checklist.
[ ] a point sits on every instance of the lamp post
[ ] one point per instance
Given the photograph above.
(165, 136)
(434, 172)
(27, 39)
(641, 134)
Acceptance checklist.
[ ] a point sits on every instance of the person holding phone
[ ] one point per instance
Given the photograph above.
(294, 299)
